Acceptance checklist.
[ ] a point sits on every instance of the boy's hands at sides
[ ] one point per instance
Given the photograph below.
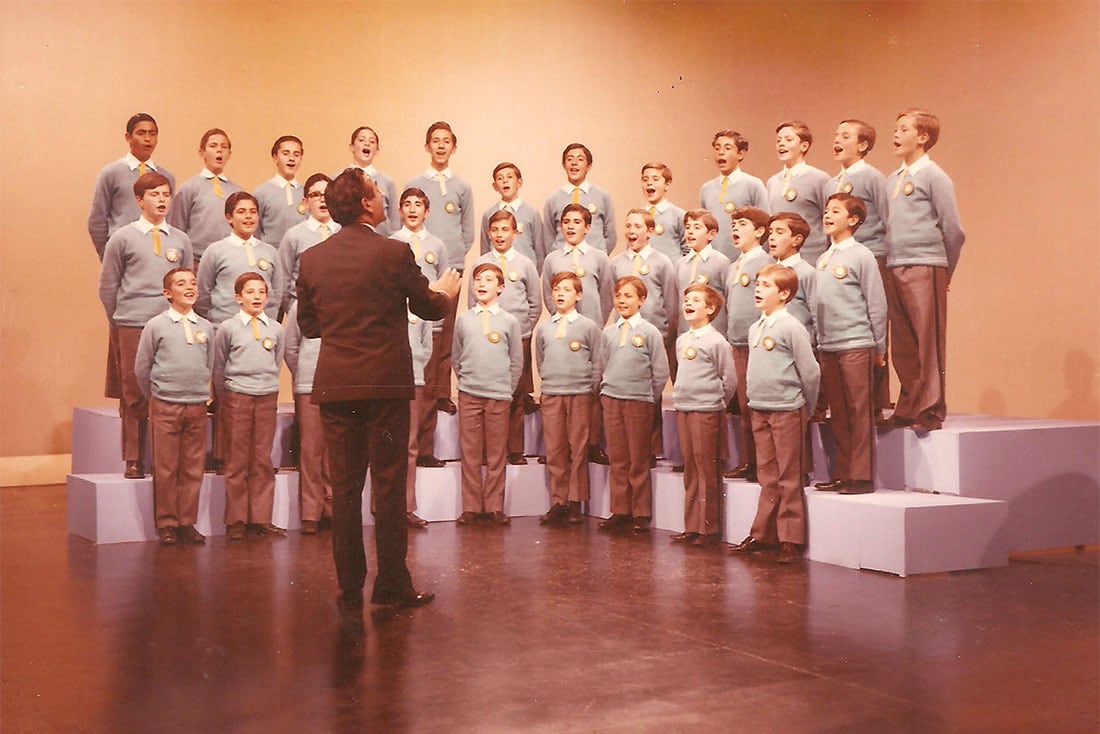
(448, 283)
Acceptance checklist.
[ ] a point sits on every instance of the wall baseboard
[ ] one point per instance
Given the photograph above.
(23, 471)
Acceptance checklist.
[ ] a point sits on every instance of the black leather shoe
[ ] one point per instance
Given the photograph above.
(742, 471)
(517, 459)
(573, 514)
(615, 522)
(678, 468)
(789, 553)
(703, 541)
(187, 534)
(430, 462)
(422, 599)
(309, 527)
(499, 518)
(640, 525)
(683, 537)
(857, 486)
(652, 461)
(597, 455)
(898, 421)
(467, 518)
(167, 536)
(542, 459)
(350, 600)
(415, 521)
(831, 486)
(134, 470)
(446, 405)
(927, 423)
(265, 529)
(556, 515)
(751, 545)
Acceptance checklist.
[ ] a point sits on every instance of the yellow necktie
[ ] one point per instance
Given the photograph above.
(637, 258)
(841, 180)
(142, 169)
(217, 187)
(416, 246)
(740, 269)
(694, 266)
(156, 241)
(187, 331)
(828, 256)
(576, 195)
(901, 180)
(560, 333)
(485, 321)
(324, 230)
(508, 208)
(760, 331)
(250, 253)
(289, 194)
(442, 183)
(256, 328)
(653, 212)
(786, 182)
(722, 194)
(576, 261)
(504, 265)
(624, 331)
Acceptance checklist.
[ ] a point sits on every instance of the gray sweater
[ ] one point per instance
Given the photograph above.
(487, 365)
(705, 378)
(218, 270)
(851, 302)
(243, 363)
(662, 303)
(567, 364)
(924, 218)
(783, 373)
(131, 279)
(170, 369)
(113, 203)
(636, 369)
(199, 212)
(276, 216)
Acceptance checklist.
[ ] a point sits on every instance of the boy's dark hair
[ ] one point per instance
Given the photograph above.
(287, 139)
(501, 166)
(704, 216)
(314, 178)
(577, 208)
(635, 282)
(665, 171)
(235, 198)
(418, 193)
(138, 118)
(710, 296)
(785, 278)
(865, 133)
(739, 140)
(795, 223)
(489, 266)
(500, 215)
(567, 275)
(361, 128)
(440, 126)
(167, 279)
(801, 129)
(211, 133)
(150, 180)
(646, 217)
(245, 277)
(925, 122)
(853, 205)
(345, 195)
(758, 217)
(577, 146)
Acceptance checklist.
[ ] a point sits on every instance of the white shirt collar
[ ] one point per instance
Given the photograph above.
(845, 244)
(754, 252)
(854, 168)
(701, 331)
(582, 247)
(918, 164)
(145, 226)
(368, 170)
(704, 254)
(797, 169)
(570, 317)
(493, 308)
(206, 173)
(405, 234)
(131, 160)
(433, 175)
(177, 317)
(280, 182)
(766, 320)
(633, 321)
(660, 206)
(246, 318)
(510, 253)
(642, 253)
(235, 239)
(791, 261)
(583, 186)
(515, 203)
(733, 175)
(315, 226)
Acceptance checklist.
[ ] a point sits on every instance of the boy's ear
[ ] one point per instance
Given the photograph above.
(785, 296)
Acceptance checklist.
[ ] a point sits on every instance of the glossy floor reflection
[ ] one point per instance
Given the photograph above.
(533, 630)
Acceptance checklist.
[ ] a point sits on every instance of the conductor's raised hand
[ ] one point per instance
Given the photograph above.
(448, 283)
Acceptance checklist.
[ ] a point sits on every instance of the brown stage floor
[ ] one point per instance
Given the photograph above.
(532, 631)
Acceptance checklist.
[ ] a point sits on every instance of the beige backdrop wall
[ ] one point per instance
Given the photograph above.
(1015, 86)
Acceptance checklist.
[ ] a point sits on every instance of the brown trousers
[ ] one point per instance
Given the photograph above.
(437, 379)
(565, 420)
(917, 302)
(629, 429)
(882, 374)
(847, 379)
(314, 488)
(249, 473)
(414, 450)
(133, 408)
(699, 437)
(748, 443)
(179, 452)
(483, 431)
(515, 411)
(781, 512)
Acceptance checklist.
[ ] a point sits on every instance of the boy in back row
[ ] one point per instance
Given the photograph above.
(530, 238)
(732, 188)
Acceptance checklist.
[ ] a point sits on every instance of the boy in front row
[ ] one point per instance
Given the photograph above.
(783, 379)
(851, 340)
(926, 238)
(247, 355)
(173, 364)
(488, 360)
(567, 349)
(705, 383)
(634, 370)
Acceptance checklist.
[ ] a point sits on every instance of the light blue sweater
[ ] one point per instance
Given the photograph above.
(636, 370)
(705, 378)
(223, 262)
(245, 364)
(131, 279)
(924, 223)
(170, 369)
(567, 364)
(276, 216)
(113, 203)
(197, 211)
(741, 190)
(783, 373)
(487, 367)
(851, 302)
